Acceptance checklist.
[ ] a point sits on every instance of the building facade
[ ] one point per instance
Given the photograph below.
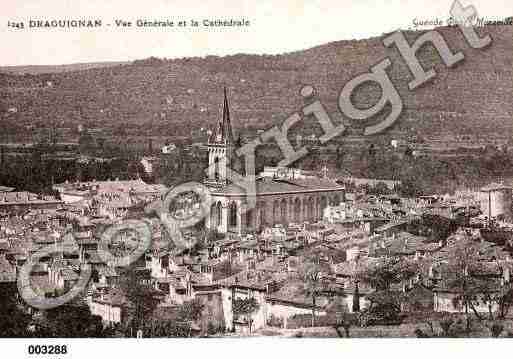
(496, 201)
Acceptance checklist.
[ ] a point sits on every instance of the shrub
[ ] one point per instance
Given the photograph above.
(276, 322)
(496, 329)
(420, 334)
(211, 329)
(305, 320)
(446, 324)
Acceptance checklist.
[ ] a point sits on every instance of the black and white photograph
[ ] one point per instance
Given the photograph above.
(336, 170)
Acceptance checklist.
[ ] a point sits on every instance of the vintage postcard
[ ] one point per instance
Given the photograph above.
(243, 169)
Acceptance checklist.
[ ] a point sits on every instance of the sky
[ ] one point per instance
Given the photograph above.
(275, 26)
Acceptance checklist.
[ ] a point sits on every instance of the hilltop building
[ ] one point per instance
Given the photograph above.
(496, 201)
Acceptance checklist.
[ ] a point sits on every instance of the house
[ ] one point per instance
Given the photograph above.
(213, 314)
(111, 306)
(353, 290)
(446, 297)
(62, 275)
(418, 298)
(387, 230)
(406, 244)
(107, 276)
(245, 285)
(290, 301)
(23, 201)
(177, 287)
(7, 272)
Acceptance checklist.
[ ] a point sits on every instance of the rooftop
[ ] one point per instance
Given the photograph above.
(7, 198)
(495, 187)
(268, 186)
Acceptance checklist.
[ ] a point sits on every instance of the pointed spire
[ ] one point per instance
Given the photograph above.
(226, 108)
(227, 125)
(223, 132)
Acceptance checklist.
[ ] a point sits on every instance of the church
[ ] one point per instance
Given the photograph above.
(283, 195)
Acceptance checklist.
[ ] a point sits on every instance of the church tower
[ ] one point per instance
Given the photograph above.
(221, 147)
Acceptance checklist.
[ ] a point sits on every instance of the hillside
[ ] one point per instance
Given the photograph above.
(46, 69)
(173, 97)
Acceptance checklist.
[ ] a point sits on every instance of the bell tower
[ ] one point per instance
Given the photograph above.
(221, 146)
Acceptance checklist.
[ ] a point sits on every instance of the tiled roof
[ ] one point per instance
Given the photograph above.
(481, 268)
(295, 294)
(495, 187)
(113, 297)
(484, 285)
(363, 288)
(275, 186)
(353, 267)
(25, 198)
(388, 226)
(253, 279)
(137, 186)
(69, 274)
(107, 271)
(407, 243)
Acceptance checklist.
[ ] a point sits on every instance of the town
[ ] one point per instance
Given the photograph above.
(320, 254)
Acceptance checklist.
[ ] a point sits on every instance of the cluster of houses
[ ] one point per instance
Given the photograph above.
(353, 236)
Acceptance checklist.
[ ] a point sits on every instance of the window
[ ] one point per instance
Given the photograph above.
(216, 168)
(233, 215)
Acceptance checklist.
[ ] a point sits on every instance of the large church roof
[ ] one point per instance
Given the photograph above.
(269, 186)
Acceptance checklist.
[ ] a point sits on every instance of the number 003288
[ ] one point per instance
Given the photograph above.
(47, 349)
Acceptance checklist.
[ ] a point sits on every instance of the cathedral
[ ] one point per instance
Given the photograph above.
(283, 195)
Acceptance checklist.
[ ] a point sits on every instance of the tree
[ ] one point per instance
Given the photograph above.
(496, 329)
(245, 307)
(385, 304)
(446, 324)
(379, 188)
(356, 297)
(190, 310)
(342, 318)
(182, 322)
(467, 288)
(140, 295)
(387, 272)
(311, 273)
(13, 320)
(410, 188)
(505, 299)
(71, 321)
